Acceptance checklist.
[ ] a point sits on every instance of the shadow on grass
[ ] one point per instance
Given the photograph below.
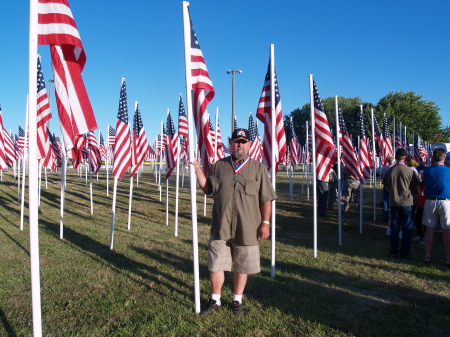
(350, 304)
(8, 328)
(102, 254)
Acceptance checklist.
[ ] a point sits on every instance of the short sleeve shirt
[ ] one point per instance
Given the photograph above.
(400, 179)
(437, 181)
(237, 198)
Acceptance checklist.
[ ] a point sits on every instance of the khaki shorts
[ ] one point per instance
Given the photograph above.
(436, 212)
(221, 255)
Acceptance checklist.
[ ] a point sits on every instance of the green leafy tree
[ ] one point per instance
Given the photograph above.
(415, 113)
(349, 108)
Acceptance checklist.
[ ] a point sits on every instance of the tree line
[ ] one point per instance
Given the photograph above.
(417, 114)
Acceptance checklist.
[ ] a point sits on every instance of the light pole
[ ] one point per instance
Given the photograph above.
(233, 76)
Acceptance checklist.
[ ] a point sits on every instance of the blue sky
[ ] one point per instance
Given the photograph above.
(353, 48)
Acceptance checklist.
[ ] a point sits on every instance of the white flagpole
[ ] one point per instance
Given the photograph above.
(18, 179)
(274, 148)
(107, 163)
(33, 172)
(113, 214)
(24, 167)
(167, 183)
(374, 170)
(63, 189)
(90, 182)
(167, 201)
(193, 183)
(39, 182)
(307, 164)
(130, 199)
(313, 145)
(176, 185)
(338, 133)
(160, 162)
(361, 189)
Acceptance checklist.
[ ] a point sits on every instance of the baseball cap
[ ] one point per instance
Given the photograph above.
(401, 152)
(240, 134)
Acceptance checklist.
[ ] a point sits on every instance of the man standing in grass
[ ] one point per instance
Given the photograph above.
(399, 181)
(242, 194)
(436, 209)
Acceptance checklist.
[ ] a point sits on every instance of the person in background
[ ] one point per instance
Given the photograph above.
(352, 190)
(242, 194)
(399, 180)
(436, 209)
(384, 169)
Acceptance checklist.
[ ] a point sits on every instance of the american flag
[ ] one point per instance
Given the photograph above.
(56, 147)
(220, 146)
(50, 159)
(364, 154)
(102, 147)
(78, 152)
(171, 146)
(111, 138)
(8, 145)
(2, 147)
(264, 114)
(213, 136)
(255, 147)
(378, 135)
(122, 153)
(294, 144)
(309, 146)
(325, 150)
(183, 129)
(235, 123)
(95, 158)
(348, 151)
(141, 147)
(43, 114)
(203, 94)
(21, 141)
(406, 145)
(386, 151)
(57, 28)
(398, 139)
(419, 150)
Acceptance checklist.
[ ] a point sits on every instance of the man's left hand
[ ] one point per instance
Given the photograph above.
(263, 232)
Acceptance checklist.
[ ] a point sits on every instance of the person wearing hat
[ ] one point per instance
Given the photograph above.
(242, 194)
(399, 181)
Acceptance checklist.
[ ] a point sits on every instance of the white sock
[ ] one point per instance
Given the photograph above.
(237, 298)
(216, 297)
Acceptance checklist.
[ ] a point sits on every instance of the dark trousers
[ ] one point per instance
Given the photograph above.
(401, 218)
(418, 222)
(385, 205)
(322, 196)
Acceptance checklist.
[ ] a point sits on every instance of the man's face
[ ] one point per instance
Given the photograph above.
(240, 149)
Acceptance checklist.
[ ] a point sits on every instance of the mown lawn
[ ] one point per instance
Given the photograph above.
(144, 287)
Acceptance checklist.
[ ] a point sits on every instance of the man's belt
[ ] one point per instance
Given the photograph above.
(437, 199)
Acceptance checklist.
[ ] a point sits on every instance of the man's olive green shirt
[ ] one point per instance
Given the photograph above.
(237, 198)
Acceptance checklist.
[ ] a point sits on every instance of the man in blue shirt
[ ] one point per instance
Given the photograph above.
(436, 209)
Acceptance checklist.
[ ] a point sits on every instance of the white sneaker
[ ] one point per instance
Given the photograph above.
(417, 238)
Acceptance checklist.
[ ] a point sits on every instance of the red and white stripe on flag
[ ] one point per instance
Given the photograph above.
(203, 94)
(8, 146)
(141, 147)
(122, 153)
(56, 27)
(264, 114)
(325, 150)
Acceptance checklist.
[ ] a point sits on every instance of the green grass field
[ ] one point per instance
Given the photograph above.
(145, 286)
